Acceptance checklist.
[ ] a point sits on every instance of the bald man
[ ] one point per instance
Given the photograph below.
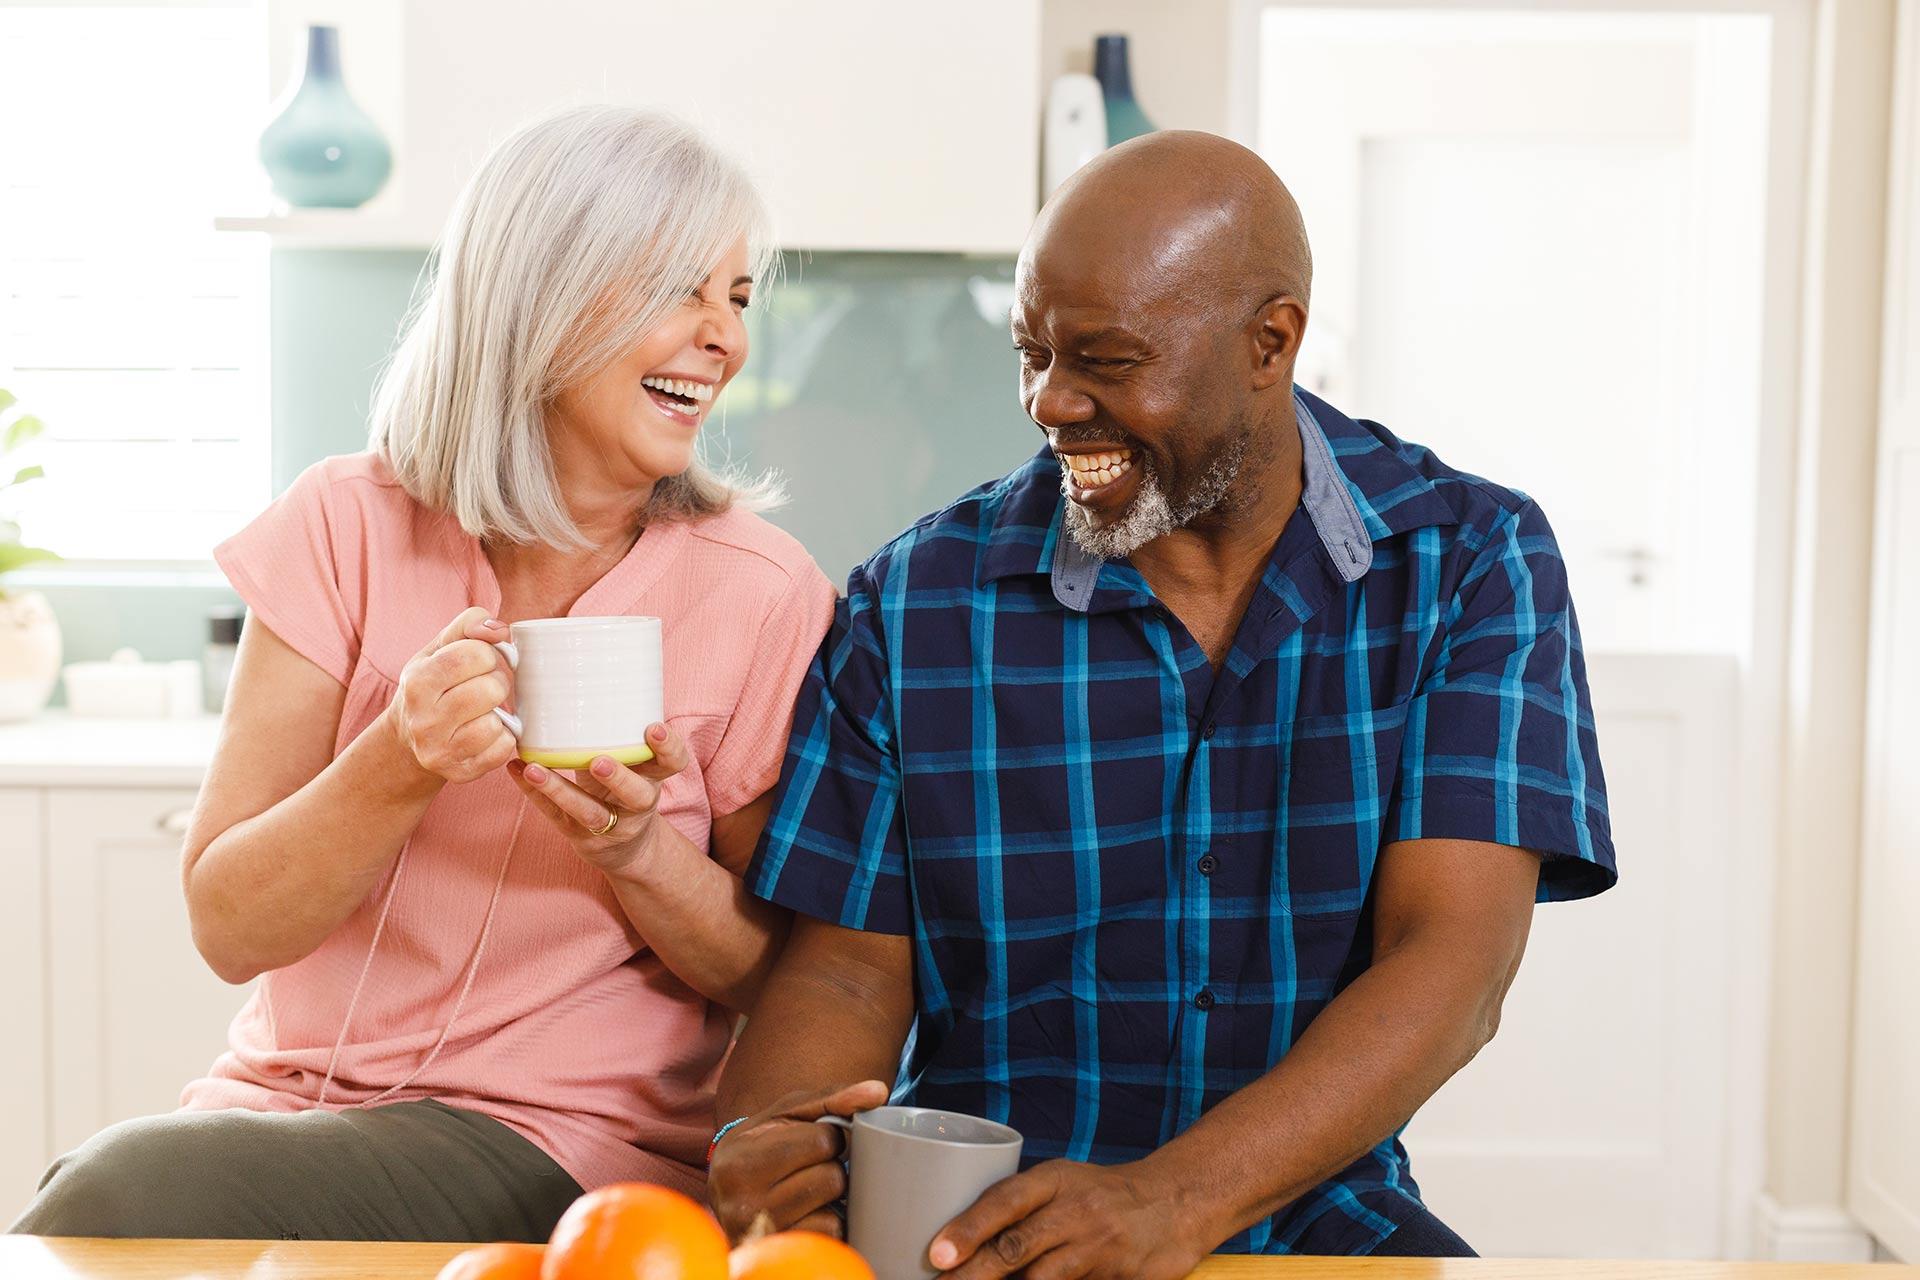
(1185, 793)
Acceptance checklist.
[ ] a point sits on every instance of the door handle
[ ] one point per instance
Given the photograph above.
(174, 822)
(1639, 561)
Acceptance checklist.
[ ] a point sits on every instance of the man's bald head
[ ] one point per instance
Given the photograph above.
(1179, 205)
(1159, 306)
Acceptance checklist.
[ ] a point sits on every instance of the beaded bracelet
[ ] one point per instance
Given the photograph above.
(725, 1129)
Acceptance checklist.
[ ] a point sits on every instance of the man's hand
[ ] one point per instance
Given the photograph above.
(784, 1165)
(1063, 1220)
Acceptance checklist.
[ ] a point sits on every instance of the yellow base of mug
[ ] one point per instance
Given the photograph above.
(639, 753)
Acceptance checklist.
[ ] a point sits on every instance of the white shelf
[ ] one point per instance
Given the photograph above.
(332, 229)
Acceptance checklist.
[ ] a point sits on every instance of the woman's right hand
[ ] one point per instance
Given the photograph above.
(443, 711)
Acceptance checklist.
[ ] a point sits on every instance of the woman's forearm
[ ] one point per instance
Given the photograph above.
(269, 889)
(699, 918)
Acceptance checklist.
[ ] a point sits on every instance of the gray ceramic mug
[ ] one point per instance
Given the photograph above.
(911, 1171)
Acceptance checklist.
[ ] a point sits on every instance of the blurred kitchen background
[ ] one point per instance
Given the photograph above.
(1650, 261)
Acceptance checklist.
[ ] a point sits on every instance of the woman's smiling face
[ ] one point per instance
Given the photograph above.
(638, 418)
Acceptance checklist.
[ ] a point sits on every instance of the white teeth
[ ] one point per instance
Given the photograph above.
(1092, 470)
(679, 387)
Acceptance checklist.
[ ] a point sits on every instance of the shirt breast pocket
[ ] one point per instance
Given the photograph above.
(1338, 780)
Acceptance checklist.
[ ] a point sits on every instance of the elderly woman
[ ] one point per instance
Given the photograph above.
(471, 1002)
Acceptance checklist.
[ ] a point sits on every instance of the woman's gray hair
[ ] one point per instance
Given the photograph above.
(576, 238)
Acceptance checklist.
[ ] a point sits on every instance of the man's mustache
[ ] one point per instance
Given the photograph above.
(1089, 433)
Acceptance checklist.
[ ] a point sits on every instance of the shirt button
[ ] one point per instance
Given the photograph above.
(1204, 1001)
(1208, 731)
(1208, 864)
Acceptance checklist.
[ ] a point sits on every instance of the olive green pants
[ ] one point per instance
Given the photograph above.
(409, 1171)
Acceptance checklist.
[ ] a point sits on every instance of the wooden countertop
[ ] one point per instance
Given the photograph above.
(30, 1258)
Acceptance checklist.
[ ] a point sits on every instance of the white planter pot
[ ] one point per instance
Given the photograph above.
(29, 654)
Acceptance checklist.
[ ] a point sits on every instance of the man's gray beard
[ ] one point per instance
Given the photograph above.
(1151, 514)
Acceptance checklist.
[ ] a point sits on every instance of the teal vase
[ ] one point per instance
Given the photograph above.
(322, 151)
(1125, 119)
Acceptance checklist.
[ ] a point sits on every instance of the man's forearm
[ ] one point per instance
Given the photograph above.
(1362, 1068)
(835, 1010)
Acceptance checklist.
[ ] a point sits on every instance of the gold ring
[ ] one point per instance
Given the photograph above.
(613, 817)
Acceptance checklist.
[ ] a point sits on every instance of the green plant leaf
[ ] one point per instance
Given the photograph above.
(25, 474)
(14, 556)
(25, 427)
(6, 399)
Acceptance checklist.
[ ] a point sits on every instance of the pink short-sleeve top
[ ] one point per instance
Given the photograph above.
(571, 1031)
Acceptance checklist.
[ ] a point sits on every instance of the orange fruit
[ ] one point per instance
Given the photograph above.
(797, 1255)
(633, 1231)
(495, 1262)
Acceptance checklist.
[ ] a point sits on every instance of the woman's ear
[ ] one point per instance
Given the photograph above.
(1278, 327)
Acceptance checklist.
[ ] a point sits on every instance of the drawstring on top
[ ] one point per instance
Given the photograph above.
(466, 985)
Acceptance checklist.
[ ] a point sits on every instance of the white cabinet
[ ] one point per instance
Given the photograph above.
(106, 1009)
(869, 124)
(1591, 1126)
(135, 1013)
(24, 1146)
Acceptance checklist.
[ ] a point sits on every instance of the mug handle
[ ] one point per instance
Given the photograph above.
(511, 653)
(845, 1125)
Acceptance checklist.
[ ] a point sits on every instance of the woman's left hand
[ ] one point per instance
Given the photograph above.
(608, 810)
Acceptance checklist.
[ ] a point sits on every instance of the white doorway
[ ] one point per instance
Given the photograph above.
(1537, 240)
(1551, 244)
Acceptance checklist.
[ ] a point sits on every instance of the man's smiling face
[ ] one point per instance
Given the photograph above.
(1126, 366)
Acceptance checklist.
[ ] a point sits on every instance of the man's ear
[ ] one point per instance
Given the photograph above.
(1278, 327)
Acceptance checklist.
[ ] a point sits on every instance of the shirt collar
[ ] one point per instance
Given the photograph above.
(1328, 499)
(1358, 490)
(1389, 493)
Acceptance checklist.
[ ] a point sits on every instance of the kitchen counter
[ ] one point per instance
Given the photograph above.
(60, 750)
(29, 1258)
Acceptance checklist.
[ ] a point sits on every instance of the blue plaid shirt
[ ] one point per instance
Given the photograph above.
(1130, 882)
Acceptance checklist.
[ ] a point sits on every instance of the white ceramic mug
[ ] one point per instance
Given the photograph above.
(584, 687)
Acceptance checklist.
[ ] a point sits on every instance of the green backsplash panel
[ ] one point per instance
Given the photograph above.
(336, 315)
(163, 617)
(880, 387)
